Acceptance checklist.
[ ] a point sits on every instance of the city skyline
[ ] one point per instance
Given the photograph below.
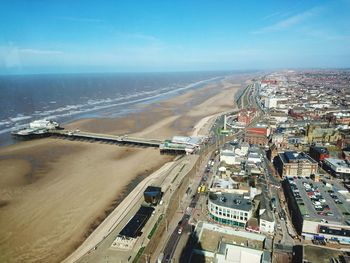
(55, 37)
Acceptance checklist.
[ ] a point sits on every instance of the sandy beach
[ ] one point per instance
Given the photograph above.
(53, 192)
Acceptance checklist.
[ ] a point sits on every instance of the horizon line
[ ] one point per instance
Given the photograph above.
(173, 71)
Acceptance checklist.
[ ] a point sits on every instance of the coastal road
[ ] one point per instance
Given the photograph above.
(175, 238)
(179, 245)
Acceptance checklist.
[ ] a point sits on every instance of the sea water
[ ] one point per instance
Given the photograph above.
(69, 97)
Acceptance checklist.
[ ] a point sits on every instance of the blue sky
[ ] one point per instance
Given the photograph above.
(38, 36)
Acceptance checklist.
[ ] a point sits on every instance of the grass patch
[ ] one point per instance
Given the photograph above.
(138, 255)
(155, 227)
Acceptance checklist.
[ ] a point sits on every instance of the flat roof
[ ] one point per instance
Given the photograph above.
(230, 231)
(134, 226)
(338, 162)
(232, 253)
(234, 201)
(320, 149)
(293, 157)
(308, 210)
(153, 190)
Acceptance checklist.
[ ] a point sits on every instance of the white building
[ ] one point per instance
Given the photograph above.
(233, 155)
(272, 102)
(230, 209)
(243, 246)
(266, 217)
(267, 222)
(254, 157)
(43, 124)
(338, 166)
(229, 253)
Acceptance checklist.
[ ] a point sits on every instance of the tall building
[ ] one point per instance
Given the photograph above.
(292, 163)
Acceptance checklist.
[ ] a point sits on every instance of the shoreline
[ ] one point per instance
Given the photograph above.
(156, 119)
(123, 108)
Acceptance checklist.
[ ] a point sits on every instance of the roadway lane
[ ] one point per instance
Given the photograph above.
(176, 236)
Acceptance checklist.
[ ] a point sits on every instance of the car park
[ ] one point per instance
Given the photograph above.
(318, 208)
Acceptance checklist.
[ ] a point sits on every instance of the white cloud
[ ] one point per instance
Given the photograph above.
(30, 51)
(290, 21)
(80, 19)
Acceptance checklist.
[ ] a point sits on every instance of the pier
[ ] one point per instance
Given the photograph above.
(178, 145)
(44, 128)
(123, 140)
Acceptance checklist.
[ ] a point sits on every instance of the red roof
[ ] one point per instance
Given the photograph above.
(257, 131)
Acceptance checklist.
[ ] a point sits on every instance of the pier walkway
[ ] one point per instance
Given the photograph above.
(106, 138)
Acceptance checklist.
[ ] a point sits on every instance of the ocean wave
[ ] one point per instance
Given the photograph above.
(95, 105)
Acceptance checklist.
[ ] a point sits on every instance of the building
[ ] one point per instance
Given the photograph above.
(318, 153)
(233, 155)
(228, 253)
(257, 136)
(326, 219)
(273, 102)
(230, 209)
(318, 134)
(337, 167)
(266, 218)
(292, 163)
(246, 116)
(133, 228)
(212, 241)
(182, 144)
(280, 140)
(152, 195)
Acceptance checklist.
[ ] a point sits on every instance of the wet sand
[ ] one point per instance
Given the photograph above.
(54, 192)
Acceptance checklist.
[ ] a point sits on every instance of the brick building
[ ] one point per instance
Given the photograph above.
(318, 153)
(292, 163)
(246, 116)
(258, 136)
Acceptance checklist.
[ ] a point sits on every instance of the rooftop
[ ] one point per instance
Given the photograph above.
(294, 157)
(153, 190)
(307, 192)
(232, 253)
(320, 149)
(260, 131)
(234, 201)
(338, 162)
